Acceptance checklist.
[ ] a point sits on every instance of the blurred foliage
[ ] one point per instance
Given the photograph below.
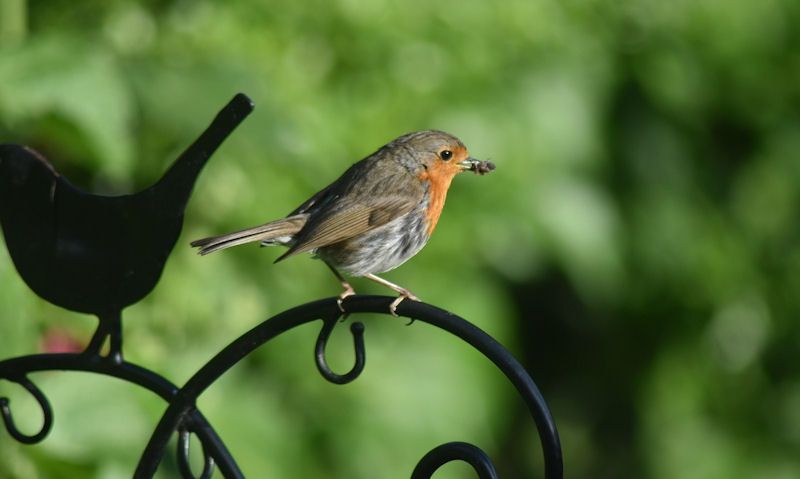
(638, 246)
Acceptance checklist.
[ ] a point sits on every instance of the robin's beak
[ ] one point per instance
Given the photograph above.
(476, 166)
(470, 164)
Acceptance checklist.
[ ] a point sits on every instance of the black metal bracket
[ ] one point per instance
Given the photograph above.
(328, 311)
(17, 369)
(129, 238)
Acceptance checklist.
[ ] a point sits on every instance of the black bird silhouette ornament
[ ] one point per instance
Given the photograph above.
(98, 254)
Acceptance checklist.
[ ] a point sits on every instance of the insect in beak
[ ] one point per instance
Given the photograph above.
(479, 167)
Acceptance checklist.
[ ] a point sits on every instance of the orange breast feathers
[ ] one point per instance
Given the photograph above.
(438, 176)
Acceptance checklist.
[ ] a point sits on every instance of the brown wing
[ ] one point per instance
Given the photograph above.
(350, 219)
(371, 193)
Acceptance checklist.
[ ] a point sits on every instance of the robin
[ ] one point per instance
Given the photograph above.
(375, 217)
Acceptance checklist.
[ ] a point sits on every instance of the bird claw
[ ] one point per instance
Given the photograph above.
(340, 300)
(398, 300)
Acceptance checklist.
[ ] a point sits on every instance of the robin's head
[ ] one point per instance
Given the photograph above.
(434, 157)
(432, 153)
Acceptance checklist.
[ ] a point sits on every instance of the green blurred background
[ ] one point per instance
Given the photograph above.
(637, 247)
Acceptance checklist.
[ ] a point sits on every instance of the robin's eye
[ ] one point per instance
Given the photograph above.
(446, 155)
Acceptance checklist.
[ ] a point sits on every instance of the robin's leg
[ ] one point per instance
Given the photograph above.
(404, 293)
(348, 290)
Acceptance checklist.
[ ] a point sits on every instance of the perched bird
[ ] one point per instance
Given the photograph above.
(376, 216)
(92, 253)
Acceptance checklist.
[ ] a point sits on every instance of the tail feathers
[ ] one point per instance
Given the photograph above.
(285, 227)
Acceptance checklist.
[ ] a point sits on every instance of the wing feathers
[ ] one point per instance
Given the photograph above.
(350, 220)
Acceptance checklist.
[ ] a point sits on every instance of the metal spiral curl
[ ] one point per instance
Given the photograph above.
(44, 404)
(328, 310)
(182, 453)
(455, 451)
(17, 369)
(357, 329)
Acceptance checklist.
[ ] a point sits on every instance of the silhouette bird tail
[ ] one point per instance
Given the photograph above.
(276, 232)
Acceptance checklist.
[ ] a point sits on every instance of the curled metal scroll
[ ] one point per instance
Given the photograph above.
(326, 309)
(455, 451)
(44, 404)
(357, 329)
(182, 454)
(16, 370)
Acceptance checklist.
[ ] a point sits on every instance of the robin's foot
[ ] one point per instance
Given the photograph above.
(404, 293)
(399, 299)
(348, 291)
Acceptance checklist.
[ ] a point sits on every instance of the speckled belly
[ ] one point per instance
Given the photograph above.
(381, 249)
